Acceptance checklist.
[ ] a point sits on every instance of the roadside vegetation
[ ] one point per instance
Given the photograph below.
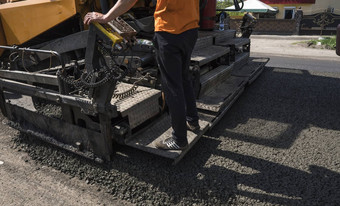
(324, 42)
(222, 4)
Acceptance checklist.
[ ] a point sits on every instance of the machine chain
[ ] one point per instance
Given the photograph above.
(109, 76)
(113, 72)
(130, 91)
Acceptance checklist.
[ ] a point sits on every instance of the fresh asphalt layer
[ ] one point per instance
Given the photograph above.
(277, 145)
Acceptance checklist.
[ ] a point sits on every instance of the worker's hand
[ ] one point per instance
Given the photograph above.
(94, 17)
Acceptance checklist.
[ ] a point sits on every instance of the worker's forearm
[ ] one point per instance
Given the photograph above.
(119, 8)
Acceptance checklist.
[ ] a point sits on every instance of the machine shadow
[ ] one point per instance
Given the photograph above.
(290, 100)
(281, 184)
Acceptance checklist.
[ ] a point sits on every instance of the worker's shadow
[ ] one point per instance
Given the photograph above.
(275, 183)
(200, 177)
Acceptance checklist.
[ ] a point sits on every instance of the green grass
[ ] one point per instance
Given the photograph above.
(327, 42)
(224, 4)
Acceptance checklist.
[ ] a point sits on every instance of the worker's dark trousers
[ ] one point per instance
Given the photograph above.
(173, 53)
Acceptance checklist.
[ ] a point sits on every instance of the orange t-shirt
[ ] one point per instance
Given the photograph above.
(176, 16)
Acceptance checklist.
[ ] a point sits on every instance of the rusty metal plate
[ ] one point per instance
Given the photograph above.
(122, 28)
(140, 106)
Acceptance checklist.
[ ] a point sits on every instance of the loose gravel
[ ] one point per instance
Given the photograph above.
(278, 145)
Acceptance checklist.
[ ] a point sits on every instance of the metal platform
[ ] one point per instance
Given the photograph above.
(140, 106)
(160, 130)
(212, 105)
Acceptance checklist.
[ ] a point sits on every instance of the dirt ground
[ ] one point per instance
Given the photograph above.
(278, 145)
(25, 182)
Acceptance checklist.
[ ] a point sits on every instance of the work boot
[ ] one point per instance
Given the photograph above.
(170, 144)
(194, 127)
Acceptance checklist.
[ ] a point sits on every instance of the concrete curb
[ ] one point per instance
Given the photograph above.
(322, 58)
(285, 37)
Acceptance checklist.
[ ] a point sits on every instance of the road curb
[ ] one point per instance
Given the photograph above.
(325, 58)
(285, 37)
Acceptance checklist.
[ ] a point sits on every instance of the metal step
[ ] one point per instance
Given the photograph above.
(208, 38)
(222, 95)
(146, 139)
(203, 41)
(236, 46)
(208, 54)
(237, 42)
(212, 117)
(218, 36)
(225, 35)
(241, 59)
(214, 77)
(252, 70)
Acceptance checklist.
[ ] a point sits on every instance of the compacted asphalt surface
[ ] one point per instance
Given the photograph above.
(277, 145)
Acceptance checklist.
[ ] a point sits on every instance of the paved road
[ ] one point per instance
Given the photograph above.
(301, 63)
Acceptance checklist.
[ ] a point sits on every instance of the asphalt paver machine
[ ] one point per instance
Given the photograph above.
(85, 90)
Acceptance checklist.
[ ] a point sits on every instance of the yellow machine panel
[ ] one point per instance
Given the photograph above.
(114, 36)
(24, 20)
